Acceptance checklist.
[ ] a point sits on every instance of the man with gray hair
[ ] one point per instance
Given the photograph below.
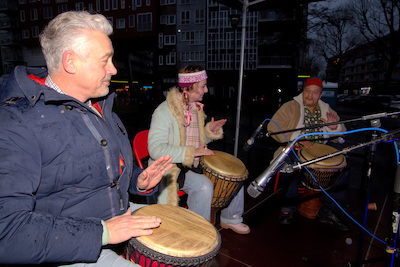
(66, 161)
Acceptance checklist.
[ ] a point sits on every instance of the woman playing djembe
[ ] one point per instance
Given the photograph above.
(178, 128)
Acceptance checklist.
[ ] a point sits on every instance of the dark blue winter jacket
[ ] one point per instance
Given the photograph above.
(60, 172)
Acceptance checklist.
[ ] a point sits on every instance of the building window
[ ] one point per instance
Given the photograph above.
(138, 3)
(171, 58)
(111, 20)
(47, 12)
(213, 20)
(22, 15)
(106, 5)
(160, 40)
(185, 2)
(144, 22)
(114, 4)
(22, 2)
(193, 37)
(62, 8)
(32, 1)
(148, 2)
(199, 17)
(131, 21)
(120, 23)
(122, 4)
(185, 17)
(168, 19)
(35, 31)
(79, 6)
(25, 34)
(167, 2)
(160, 60)
(46, 1)
(169, 39)
(34, 14)
(98, 5)
(191, 56)
(90, 8)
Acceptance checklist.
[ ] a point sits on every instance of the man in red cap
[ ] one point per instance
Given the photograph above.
(306, 110)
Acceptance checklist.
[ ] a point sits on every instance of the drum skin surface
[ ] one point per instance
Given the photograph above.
(306, 154)
(182, 233)
(226, 164)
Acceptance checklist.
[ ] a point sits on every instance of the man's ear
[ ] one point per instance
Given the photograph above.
(69, 61)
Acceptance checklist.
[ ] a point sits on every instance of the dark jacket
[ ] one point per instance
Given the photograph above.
(60, 172)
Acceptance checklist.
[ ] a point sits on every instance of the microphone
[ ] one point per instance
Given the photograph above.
(250, 142)
(391, 136)
(257, 186)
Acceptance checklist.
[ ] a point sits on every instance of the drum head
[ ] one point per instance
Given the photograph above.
(319, 150)
(225, 164)
(182, 233)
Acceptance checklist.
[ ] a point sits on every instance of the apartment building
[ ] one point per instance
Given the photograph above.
(10, 37)
(153, 39)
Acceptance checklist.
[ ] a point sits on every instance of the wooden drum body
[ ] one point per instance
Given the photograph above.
(324, 171)
(227, 173)
(184, 238)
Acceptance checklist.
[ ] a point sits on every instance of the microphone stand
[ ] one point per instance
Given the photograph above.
(363, 118)
(375, 122)
(391, 136)
(288, 168)
(366, 184)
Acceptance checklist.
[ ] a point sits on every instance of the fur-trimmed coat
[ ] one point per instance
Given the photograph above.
(167, 136)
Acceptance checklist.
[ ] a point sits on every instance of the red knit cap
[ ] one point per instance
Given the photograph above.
(313, 81)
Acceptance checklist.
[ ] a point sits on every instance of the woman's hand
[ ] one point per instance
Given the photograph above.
(216, 125)
(203, 151)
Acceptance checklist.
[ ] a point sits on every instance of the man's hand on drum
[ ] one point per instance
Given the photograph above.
(126, 226)
(152, 175)
(216, 125)
(331, 117)
(307, 144)
(203, 151)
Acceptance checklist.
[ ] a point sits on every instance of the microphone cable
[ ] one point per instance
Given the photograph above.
(327, 194)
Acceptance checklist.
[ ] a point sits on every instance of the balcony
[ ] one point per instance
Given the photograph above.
(8, 5)
(7, 22)
(280, 62)
(8, 38)
(11, 54)
(275, 15)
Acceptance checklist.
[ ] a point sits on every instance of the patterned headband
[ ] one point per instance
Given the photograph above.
(188, 79)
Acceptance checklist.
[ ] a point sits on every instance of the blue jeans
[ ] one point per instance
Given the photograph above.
(107, 258)
(200, 193)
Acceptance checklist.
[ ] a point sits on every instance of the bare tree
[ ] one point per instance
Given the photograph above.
(312, 64)
(334, 32)
(378, 21)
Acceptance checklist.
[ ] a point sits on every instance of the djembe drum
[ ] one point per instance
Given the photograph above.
(227, 173)
(325, 172)
(184, 238)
